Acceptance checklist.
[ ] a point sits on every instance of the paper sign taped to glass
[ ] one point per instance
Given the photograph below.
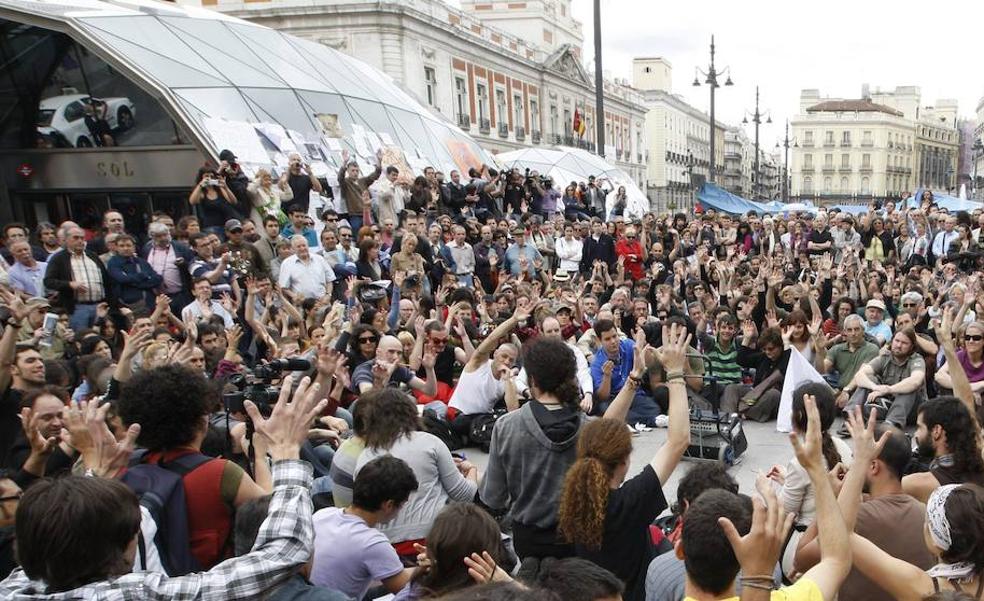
(330, 125)
(393, 155)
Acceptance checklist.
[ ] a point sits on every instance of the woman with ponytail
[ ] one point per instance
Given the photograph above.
(606, 520)
(532, 448)
(793, 483)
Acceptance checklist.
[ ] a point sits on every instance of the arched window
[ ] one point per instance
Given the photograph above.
(827, 184)
(865, 185)
(843, 185)
(807, 185)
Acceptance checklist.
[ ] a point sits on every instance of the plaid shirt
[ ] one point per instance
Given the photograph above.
(284, 543)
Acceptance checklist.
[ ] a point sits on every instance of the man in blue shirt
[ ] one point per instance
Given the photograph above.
(297, 226)
(874, 324)
(27, 273)
(610, 369)
(521, 255)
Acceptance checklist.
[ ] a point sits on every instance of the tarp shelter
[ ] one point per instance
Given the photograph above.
(950, 203)
(565, 165)
(719, 199)
(851, 209)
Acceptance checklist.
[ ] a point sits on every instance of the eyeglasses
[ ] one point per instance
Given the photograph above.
(439, 341)
(908, 304)
(367, 339)
(14, 497)
(974, 337)
(331, 220)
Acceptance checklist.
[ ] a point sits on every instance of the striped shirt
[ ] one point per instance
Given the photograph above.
(724, 364)
(85, 271)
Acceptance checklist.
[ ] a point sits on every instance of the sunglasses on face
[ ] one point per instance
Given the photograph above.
(367, 339)
(439, 341)
(908, 304)
(973, 337)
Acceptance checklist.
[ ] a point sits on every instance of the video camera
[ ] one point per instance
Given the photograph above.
(255, 385)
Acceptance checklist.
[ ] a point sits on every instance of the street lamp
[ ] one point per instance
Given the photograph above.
(978, 150)
(786, 142)
(711, 79)
(689, 172)
(757, 120)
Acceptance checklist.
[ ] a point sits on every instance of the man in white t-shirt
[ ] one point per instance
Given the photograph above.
(550, 328)
(485, 380)
(304, 274)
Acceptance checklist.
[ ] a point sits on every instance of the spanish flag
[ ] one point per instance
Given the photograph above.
(578, 125)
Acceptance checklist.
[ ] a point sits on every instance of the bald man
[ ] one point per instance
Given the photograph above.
(385, 370)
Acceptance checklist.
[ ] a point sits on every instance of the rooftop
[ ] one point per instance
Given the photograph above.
(863, 105)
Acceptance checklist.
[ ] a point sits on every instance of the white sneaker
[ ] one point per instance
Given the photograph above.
(641, 427)
(662, 421)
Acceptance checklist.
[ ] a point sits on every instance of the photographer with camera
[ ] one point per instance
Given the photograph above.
(215, 201)
(301, 181)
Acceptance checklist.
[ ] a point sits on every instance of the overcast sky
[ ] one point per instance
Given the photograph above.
(835, 46)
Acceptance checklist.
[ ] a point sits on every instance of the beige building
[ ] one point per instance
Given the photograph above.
(883, 145)
(508, 73)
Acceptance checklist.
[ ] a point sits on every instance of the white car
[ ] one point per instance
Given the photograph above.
(65, 115)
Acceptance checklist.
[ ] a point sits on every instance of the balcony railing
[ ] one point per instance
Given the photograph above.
(503, 130)
(484, 126)
(535, 136)
(520, 133)
(845, 144)
(867, 144)
(464, 121)
(866, 169)
(844, 169)
(828, 168)
(828, 144)
(808, 169)
(807, 144)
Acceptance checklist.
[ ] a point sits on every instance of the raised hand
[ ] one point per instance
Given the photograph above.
(758, 551)
(133, 344)
(673, 354)
(809, 451)
(483, 570)
(86, 431)
(866, 447)
(287, 427)
(30, 423)
(233, 335)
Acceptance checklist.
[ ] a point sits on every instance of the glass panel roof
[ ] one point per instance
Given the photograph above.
(217, 69)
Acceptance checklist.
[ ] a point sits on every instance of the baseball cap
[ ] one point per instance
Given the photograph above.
(875, 304)
(233, 225)
(227, 155)
(37, 302)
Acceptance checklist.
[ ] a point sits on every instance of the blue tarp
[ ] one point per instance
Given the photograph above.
(719, 199)
(852, 209)
(950, 203)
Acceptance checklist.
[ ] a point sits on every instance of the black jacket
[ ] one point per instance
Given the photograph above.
(603, 248)
(58, 277)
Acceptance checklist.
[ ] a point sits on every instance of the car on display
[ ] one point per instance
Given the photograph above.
(65, 116)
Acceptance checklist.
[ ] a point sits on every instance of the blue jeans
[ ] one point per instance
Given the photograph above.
(466, 280)
(82, 317)
(356, 222)
(644, 409)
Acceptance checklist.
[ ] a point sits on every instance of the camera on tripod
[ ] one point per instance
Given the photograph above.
(255, 385)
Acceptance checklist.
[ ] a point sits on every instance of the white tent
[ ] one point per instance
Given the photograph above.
(565, 165)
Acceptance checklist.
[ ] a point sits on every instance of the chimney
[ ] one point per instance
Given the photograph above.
(865, 92)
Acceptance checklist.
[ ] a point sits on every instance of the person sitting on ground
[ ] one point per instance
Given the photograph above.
(393, 430)
(722, 536)
(889, 518)
(77, 536)
(532, 449)
(948, 437)
(666, 576)
(576, 579)
(350, 553)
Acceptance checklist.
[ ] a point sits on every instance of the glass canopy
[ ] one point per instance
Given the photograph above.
(230, 84)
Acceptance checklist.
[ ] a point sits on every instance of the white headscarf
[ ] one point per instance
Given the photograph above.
(939, 531)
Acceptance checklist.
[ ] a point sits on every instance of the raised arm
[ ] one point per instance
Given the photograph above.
(673, 357)
(487, 346)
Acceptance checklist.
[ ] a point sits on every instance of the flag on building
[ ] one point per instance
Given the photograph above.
(578, 125)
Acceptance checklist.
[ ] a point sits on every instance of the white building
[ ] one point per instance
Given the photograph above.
(508, 73)
(679, 138)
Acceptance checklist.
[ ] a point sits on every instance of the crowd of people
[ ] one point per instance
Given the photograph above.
(263, 399)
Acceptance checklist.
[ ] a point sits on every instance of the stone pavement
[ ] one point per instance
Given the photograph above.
(766, 447)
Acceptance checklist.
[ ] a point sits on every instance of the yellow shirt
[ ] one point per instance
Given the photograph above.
(804, 590)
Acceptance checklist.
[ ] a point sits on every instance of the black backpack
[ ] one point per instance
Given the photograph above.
(480, 429)
(441, 428)
(160, 488)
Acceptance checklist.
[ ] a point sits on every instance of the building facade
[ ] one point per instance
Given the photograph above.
(510, 74)
(883, 145)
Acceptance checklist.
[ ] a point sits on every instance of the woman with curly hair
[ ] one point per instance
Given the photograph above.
(606, 520)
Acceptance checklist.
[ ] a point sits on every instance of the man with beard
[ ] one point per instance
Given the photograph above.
(46, 404)
(892, 383)
(21, 370)
(947, 435)
(244, 255)
(888, 517)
